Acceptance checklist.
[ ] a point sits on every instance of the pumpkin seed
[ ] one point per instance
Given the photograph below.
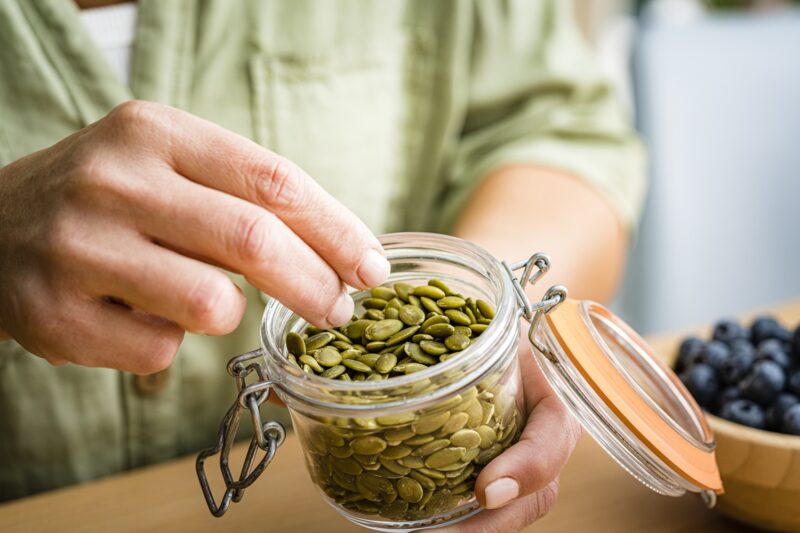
(295, 344)
(456, 342)
(451, 302)
(319, 340)
(411, 315)
(409, 489)
(429, 291)
(486, 310)
(383, 329)
(368, 445)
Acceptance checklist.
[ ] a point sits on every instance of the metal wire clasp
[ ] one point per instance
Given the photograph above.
(268, 436)
(533, 312)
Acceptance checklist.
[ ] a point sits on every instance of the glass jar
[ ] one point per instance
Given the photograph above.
(403, 453)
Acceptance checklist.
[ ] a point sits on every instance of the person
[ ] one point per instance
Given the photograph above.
(257, 148)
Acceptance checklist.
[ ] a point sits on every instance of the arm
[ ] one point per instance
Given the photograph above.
(521, 209)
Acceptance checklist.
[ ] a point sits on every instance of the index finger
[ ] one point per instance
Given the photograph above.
(221, 159)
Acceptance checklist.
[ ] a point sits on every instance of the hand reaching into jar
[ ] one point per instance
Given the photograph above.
(116, 228)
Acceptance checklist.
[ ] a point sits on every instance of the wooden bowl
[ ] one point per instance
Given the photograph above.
(760, 469)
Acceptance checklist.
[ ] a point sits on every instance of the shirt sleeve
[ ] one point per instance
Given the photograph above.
(536, 96)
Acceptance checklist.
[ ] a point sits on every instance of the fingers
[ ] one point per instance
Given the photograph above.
(249, 240)
(220, 159)
(546, 443)
(513, 517)
(97, 333)
(160, 282)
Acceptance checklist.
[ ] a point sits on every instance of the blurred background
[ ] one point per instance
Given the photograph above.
(714, 86)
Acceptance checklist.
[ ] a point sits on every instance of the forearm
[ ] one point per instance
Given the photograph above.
(522, 209)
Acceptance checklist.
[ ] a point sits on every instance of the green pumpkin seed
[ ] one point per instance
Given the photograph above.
(457, 317)
(433, 347)
(430, 305)
(383, 293)
(350, 354)
(418, 440)
(394, 466)
(488, 436)
(334, 372)
(486, 310)
(368, 359)
(412, 461)
(374, 303)
(429, 291)
(456, 342)
(355, 330)
(383, 329)
(411, 315)
(403, 290)
(430, 423)
(385, 363)
(295, 344)
(411, 368)
(391, 313)
(455, 422)
(415, 352)
(358, 366)
(419, 337)
(451, 302)
(369, 445)
(374, 314)
(328, 356)
(402, 336)
(441, 285)
(396, 452)
(435, 319)
(466, 438)
(439, 330)
(319, 340)
(398, 435)
(312, 363)
(445, 457)
(347, 466)
(433, 446)
(409, 489)
(477, 329)
(375, 346)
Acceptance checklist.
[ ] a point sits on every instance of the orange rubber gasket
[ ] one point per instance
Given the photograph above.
(572, 332)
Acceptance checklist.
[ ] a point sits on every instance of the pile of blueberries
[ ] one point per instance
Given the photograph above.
(750, 376)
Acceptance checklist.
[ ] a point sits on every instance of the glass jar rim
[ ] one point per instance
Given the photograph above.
(472, 363)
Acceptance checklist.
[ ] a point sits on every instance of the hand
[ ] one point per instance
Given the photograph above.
(521, 485)
(107, 239)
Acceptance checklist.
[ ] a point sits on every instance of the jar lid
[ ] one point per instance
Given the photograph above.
(632, 403)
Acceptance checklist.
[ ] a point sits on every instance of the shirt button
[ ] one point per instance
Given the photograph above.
(151, 384)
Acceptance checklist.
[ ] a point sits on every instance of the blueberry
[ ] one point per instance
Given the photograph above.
(793, 385)
(728, 394)
(689, 353)
(796, 341)
(702, 382)
(715, 354)
(776, 411)
(773, 350)
(766, 327)
(743, 355)
(728, 331)
(791, 420)
(763, 383)
(744, 412)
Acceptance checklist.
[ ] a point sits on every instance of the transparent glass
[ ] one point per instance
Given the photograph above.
(403, 453)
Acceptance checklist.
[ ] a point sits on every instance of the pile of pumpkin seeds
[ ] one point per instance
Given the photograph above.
(417, 466)
(413, 466)
(402, 330)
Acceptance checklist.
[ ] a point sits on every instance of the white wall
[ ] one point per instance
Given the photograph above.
(718, 101)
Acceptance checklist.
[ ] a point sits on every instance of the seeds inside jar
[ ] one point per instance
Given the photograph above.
(411, 465)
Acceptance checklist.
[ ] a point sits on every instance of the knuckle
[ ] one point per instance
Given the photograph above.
(160, 351)
(278, 183)
(251, 238)
(543, 502)
(205, 301)
(135, 114)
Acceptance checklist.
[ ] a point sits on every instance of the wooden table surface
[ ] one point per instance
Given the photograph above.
(596, 495)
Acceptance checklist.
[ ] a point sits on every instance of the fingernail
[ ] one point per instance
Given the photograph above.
(374, 269)
(342, 310)
(500, 492)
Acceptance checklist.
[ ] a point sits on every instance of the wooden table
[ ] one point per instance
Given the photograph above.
(596, 495)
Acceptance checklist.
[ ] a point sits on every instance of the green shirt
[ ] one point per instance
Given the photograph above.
(397, 108)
